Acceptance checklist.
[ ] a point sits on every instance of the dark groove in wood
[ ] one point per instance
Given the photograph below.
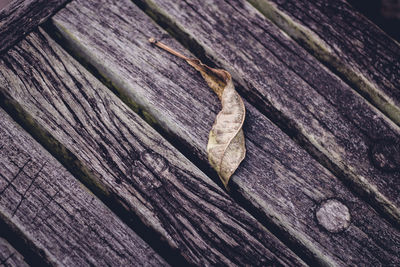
(51, 217)
(72, 164)
(33, 255)
(142, 73)
(177, 141)
(347, 43)
(187, 149)
(135, 168)
(20, 17)
(258, 91)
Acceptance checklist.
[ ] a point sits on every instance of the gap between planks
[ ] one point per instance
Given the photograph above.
(345, 137)
(167, 185)
(103, 69)
(9, 255)
(363, 57)
(19, 17)
(51, 218)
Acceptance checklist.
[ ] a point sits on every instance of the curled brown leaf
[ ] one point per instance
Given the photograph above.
(226, 144)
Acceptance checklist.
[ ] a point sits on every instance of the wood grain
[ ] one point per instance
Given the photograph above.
(19, 17)
(9, 256)
(133, 165)
(56, 212)
(335, 124)
(345, 41)
(4, 3)
(279, 181)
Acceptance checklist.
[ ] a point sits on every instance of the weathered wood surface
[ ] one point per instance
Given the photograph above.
(131, 163)
(9, 256)
(4, 3)
(52, 208)
(281, 182)
(291, 87)
(19, 17)
(347, 42)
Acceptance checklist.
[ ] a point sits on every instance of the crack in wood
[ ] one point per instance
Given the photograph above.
(266, 182)
(82, 228)
(3, 262)
(106, 151)
(23, 197)
(20, 17)
(51, 199)
(11, 181)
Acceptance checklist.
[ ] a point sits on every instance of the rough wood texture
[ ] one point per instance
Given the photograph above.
(347, 42)
(46, 202)
(278, 178)
(9, 256)
(4, 3)
(290, 86)
(19, 17)
(132, 163)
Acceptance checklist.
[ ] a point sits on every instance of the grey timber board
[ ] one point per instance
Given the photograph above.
(333, 122)
(19, 17)
(347, 42)
(50, 207)
(130, 163)
(278, 179)
(9, 256)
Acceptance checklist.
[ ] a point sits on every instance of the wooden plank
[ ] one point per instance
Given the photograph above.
(19, 17)
(4, 3)
(282, 190)
(9, 256)
(134, 167)
(48, 205)
(345, 41)
(335, 124)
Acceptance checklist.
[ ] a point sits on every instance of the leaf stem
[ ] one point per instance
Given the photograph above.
(167, 48)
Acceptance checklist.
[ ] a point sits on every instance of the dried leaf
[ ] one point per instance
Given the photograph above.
(226, 144)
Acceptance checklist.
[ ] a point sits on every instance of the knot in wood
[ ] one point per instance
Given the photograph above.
(385, 154)
(154, 161)
(333, 216)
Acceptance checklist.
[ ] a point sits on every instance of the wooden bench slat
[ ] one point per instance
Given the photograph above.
(9, 256)
(347, 42)
(19, 17)
(51, 207)
(334, 123)
(133, 165)
(278, 178)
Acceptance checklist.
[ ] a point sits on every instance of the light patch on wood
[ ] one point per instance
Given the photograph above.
(385, 154)
(333, 215)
